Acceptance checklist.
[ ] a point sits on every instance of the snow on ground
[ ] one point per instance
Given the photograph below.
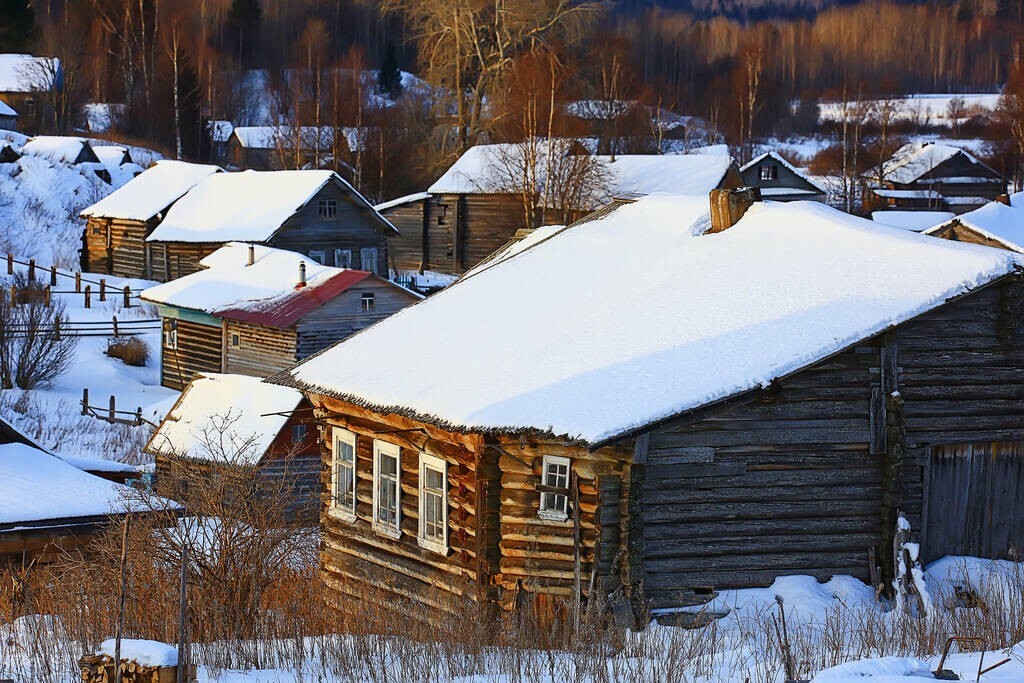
(922, 109)
(145, 652)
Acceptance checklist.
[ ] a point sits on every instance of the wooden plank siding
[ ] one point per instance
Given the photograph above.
(199, 350)
(343, 315)
(410, 249)
(261, 351)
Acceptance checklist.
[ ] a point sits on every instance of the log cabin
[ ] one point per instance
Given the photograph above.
(116, 227)
(48, 505)
(999, 224)
(779, 180)
(223, 422)
(316, 213)
(27, 84)
(930, 176)
(254, 310)
(271, 148)
(475, 208)
(782, 383)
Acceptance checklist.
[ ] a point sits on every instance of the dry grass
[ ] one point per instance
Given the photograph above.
(130, 350)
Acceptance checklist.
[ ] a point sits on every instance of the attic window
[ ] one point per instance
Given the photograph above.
(554, 488)
(769, 172)
(327, 209)
(298, 433)
(368, 302)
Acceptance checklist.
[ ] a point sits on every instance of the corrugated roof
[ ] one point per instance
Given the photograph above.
(291, 307)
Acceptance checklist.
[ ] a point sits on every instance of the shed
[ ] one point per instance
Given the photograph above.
(236, 421)
(760, 403)
(779, 180)
(117, 226)
(260, 316)
(316, 213)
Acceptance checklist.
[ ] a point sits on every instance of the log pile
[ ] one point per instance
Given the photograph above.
(100, 669)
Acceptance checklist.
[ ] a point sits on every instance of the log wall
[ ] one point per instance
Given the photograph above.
(261, 350)
(199, 350)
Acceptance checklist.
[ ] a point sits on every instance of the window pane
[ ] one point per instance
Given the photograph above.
(346, 453)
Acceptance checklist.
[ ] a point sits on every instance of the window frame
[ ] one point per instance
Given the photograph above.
(367, 297)
(342, 252)
(171, 338)
(318, 255)
(347, 437)
(390, 450)
(299, 433)
(363, 253)
(235, 340)
(327, 209)
(554, 514)
(430, 462)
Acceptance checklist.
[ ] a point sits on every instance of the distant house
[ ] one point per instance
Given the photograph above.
(316, 213)
(475, 207)
(25, 85)
(253, 310)
(116, 228)
(629, 126)
(931, 176)
(778, 387)
(8, 116)
(220, 133)
(221, 422)
(48, 506)
(270, 148)
(999, 224)
(779, 180)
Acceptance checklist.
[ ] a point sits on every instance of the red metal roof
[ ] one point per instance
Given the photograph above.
(290, 307)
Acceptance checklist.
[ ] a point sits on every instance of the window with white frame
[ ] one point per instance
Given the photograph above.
(387, 472)
(298, 434)
(433, 534)
(769, 172)
(327, 209)
(343, 473)
(171, 337)
(342, 258)
(367, 302)
(318, 256)
(554, 496)
(368, 259)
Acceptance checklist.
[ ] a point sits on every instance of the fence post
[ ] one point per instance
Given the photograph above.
(56, 329)
(127, 296)
(46, 296)
(53, 276)
(85, 401)
(14, 296)
(88, 296)
(10, 263)
(78, 282)
(115, 326)
(31, 270)
(103, 289)
(138, 416)
(113, 410)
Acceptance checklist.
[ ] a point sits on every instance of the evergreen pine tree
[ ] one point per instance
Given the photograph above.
(243, 26)
(389, 78)
(17, 25)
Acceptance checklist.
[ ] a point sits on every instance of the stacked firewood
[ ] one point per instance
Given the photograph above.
(100, 669)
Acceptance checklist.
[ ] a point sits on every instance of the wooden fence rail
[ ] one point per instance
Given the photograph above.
(111, 414)
(53, 273)
(93, 328)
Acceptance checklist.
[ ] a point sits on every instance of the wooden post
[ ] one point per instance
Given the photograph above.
(53, 276)
(88, 296)
(182, 615)
(85, 401)
(10, 263)
(78, 282)
(127, 296)
(103, 289)
(124, 595)
(14, 296)
(31, 270)
(47, 295)
(113, 409)
(138, 416)
(56, 329)
(114, 319)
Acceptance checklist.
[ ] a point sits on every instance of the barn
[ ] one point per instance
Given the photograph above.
(315, 213)
(254, 310)
(116, 227)
(229, 422)
(778, 385)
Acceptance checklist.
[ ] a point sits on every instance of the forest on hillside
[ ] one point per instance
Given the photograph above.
(487, 75)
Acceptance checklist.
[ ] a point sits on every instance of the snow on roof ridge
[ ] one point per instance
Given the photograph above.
(995, 220)
(398, 201)
(152, 191)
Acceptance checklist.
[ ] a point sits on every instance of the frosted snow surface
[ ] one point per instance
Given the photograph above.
(151, 191)
(225, 418)
(248, 206)
(145, 652)
(997, 221)
(38, 486)
(56, 148)
(228, 282)
(607, 336)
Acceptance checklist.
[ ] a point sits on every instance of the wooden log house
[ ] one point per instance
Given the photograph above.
(762, 402)
(999, 224)
(224, 422)
(476, 206)
(316, 213)
(26, 84)
(779, 180)
(116, 227)
(254, 310)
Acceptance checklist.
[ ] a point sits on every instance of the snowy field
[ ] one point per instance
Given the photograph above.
(922, 109)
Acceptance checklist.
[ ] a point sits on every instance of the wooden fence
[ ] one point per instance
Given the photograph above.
(92, 328)
(98, 287)
(111, 414)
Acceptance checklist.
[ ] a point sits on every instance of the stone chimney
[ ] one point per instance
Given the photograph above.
(302, 275)
(728, 206)
(252, 255)
(1003, 199)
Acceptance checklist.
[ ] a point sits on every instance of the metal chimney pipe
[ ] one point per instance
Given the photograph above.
(302, 274)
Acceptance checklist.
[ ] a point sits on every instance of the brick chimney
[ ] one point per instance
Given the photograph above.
(728, 206)
(302, 275)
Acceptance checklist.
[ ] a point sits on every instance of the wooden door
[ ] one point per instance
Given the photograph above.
(974, 500)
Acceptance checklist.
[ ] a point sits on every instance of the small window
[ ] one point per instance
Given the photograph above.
(327, 209)
(433, 534)
(342, 258)
(368, 302)
(442, 216)
(97, 229)
(368, 259)
(236, 340)
(318, 255)
(343, 473)
(298, 434)
(30, 107)
(171, 339)
(387, 472)
(554, 497)
(769, 172)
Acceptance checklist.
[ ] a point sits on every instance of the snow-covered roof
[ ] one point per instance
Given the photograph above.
(487, 169)
(916, 159)
(619, 337)
(248, 206)
(911, 220)
(40, 487)
(6, 109)
(407, 199)
(25, 73)
(111, 155)
(775, 156)
(220, 130)
(57, 148)
(527, 241)
(996, 221)
(225, 418)
(265, 292)
(151, 192)
(272, 137)
(907, 194)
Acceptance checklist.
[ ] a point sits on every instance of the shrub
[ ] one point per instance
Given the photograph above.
(32, 349)
(131, 350)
